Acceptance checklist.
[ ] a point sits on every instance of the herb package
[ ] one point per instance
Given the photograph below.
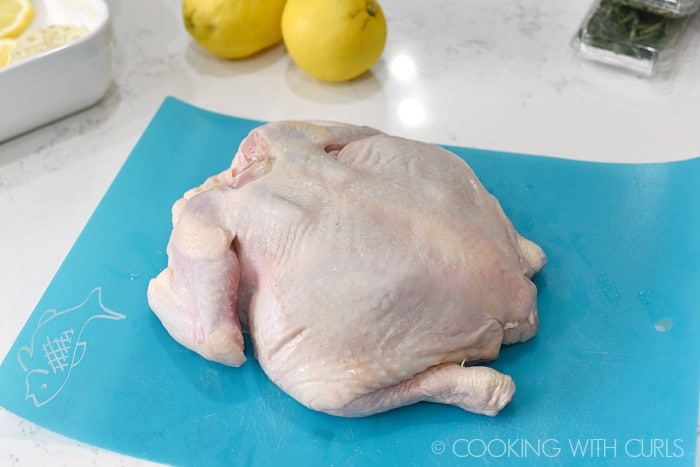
(635, 38)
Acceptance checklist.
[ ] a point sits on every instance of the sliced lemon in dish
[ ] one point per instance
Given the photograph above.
(15, 16)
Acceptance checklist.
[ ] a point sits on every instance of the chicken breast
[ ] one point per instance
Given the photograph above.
(371, 271)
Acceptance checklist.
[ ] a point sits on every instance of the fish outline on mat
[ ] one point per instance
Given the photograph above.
(62, 347)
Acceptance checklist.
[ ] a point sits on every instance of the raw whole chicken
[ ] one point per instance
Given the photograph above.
(370, 271)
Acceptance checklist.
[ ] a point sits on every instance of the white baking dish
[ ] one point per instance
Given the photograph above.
(61, 81)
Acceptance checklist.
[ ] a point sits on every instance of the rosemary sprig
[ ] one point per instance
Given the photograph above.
(627, 30)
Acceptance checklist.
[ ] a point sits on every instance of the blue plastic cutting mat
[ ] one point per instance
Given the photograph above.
(611, 376)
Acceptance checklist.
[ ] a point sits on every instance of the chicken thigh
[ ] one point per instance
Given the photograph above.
(370, 271)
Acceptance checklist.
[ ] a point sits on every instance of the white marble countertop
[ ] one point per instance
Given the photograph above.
(496, 75)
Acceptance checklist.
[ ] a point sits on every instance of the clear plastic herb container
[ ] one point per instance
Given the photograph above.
(630, 37)
(675, 8)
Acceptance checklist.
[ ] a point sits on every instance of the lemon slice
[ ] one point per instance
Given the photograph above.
(36, 41)
(15, 16)
(6, 46)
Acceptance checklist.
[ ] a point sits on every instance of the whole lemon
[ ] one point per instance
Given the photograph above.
(234, 28)
(334, 40)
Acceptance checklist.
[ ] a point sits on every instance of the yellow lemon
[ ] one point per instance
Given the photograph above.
(36, 41)
(334, 40)
(6, 46)
(15, 16)
(234, 28)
